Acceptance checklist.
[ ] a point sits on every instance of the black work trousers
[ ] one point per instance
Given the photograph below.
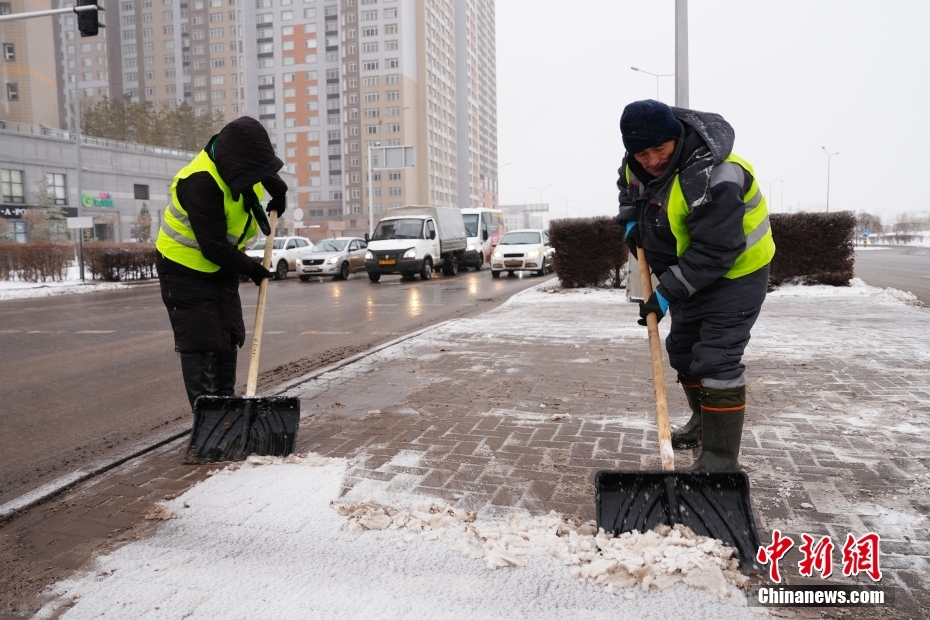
(710, 330)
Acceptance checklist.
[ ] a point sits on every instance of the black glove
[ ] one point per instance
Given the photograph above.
(656, 303)
(259, 273)
(277, 204)
(278, 190)
(632, 238)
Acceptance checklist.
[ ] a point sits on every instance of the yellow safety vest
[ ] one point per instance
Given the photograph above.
(176, 240)
(760, 247)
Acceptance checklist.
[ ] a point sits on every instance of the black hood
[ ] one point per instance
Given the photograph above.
(243, 154)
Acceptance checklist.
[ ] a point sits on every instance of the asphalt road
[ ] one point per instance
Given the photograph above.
(86, 375)
(904, 268)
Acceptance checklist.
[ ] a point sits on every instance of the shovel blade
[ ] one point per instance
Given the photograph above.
(714, 504)
(228, 428)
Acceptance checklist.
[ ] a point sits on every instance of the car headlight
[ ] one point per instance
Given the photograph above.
(496, 255)
(369, 256)
(411, 253)
(532, 254)
(333, 260)
(470, 245)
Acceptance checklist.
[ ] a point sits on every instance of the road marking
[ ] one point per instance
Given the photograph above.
(269, 333)
(325, 333)
(97, 331)
(44, 332)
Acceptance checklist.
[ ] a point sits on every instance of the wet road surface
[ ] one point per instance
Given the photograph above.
(86, 375)
(903, 268)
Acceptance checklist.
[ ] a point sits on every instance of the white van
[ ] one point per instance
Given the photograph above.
(485, 228)
(415, 240)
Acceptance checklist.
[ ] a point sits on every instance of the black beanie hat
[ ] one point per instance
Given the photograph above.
(648, 123)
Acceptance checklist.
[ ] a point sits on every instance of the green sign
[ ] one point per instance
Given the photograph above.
(103, 199)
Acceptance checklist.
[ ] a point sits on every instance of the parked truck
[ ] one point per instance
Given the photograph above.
(416, 240)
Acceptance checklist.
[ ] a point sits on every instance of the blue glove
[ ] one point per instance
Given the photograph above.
(656, 304)
(632, 238)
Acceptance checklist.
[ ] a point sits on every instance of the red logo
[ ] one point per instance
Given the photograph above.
(773, 553)
(860, 555)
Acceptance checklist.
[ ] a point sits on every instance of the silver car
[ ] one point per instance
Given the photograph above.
(337, 257)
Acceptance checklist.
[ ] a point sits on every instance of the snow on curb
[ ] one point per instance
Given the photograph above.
(657, 559)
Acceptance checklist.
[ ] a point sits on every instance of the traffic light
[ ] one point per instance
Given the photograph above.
(87, 20)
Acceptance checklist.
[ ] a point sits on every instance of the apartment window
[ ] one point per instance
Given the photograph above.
(333, 119)
(392, 79)
(128, 35)
(149, 60)
(335, 165)
(313, 151)
(197, 20)
(200, 96)
(266, 109)
(370, 31)
(216, 63)
(371, 112)
(390, 46)
(393, 191)
(393, 127)
(334, 149)
(200, 81)
(164, 30)
(369, 16)
(167, 15)
(394, 176)
(265, 63)
(287, 16)
(313, 105)
(353, 67)
(355, 175)
(5, 8)
(129, 48)
(197, 35)
(334, 212)
(332, 104)
(353, 130)
(9, 52)
(216, 33)
(310, 59)
(147, 32)
(216, 48)
(368, 48)
(390, 29)
(332, 89)
(392, 111)
(393, 95)
(140, 192)
(169, 44)
(371, 129)
(354, 162)
(170, 89)
(128, 6)
(147, 18)
(390, 13)
(11, 182)
(392, 63)
(309, 14)
(334, 135)
(219, 94)
(200, 64)
(370, 65)
(290, 107)
(216, 17)
(370, 97)
(129, 20)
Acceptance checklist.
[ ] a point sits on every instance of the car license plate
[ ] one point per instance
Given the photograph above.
(386, 262)
(513, 263)
(313, 269)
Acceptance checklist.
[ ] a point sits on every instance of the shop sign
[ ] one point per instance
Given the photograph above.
(103, 199)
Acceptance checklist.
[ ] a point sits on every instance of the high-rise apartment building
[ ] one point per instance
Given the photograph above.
(27, 67)
(331, 80)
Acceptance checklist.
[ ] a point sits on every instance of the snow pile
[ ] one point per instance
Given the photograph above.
(856, 288)
(311, 459)
(161, 512)
(657, 559)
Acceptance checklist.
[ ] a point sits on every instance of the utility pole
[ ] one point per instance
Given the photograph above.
(829, 157)
(681, 53)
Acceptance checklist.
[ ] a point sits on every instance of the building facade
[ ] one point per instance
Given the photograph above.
(27, 67)
(117, 180)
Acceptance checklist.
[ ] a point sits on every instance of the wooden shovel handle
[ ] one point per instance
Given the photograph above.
(260, 310)
(658, 369)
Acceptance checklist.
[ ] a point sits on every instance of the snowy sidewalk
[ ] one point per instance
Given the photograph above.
(511, 413)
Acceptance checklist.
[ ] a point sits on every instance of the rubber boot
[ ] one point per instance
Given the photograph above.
(723, 413)
(211, 373)
(689, 435)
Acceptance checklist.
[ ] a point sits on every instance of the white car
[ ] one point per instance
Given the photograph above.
(284, 254)
(526, 249)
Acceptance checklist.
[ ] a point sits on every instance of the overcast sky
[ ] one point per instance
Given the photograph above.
(791, 76)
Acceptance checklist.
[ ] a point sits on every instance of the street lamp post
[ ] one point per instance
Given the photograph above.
(829, 157)
(656, 75)
(771, 183)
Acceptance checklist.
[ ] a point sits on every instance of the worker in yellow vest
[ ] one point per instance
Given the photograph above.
(213, 212)
(696, 210)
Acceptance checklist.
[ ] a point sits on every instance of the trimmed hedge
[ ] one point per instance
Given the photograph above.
(588, 251)
(35, 262)
(813, 248)
(115, 262)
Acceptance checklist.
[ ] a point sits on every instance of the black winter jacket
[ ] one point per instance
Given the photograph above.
(714, 190)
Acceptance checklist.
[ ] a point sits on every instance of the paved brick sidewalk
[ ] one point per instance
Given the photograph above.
(519, 407)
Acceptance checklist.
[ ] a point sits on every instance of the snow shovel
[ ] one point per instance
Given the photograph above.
(714, 504)
(230, 428)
